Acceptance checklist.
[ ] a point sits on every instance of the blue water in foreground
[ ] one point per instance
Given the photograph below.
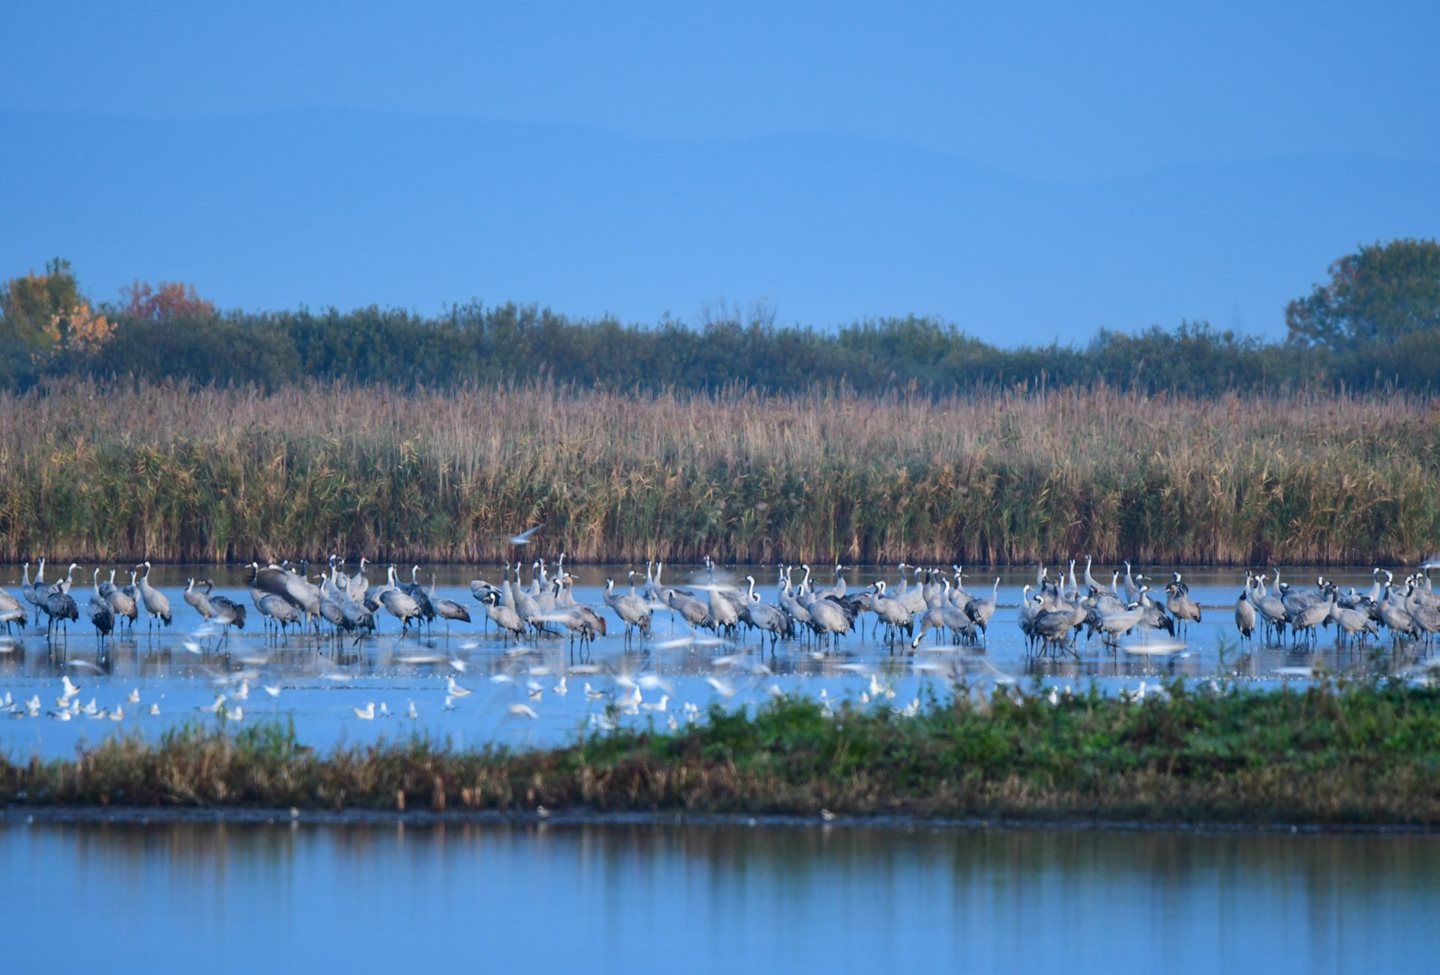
(216, 897)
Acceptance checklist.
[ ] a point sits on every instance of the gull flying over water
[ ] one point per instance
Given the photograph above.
(524, 537)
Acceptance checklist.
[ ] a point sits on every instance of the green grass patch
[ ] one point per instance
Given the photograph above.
(1363, 754)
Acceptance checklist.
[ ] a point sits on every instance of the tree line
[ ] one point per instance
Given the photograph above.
(1372, 325)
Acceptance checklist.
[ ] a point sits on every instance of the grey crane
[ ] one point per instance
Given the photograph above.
(983, 610)
(727, 595)
(1351, 624)
(1309, 616)
(1393, 614)
(198, 599)
(34, 592)
(12, 611)
(1053, 627)
(418, 593)
(933, 619)
(1178, 602)
(121, 599)
(1424, 614)
(765, 617)
(358, 584)
(59, 605)
(1114, 625)
(1092, 585)
(911, 599)
(342, 611)
(1269, 608)
(281, 610)
(1132, 585)
(99, 611)
(895, 614)
(788, 601)
(289, 586)
(633, 611)
(827, 617)
(399, 603)
(152, 600)
(581, 621)
(724, 613)
(227, 611)
(1245, 613)
(504, 616)
(447, 609)
(691, 610)
(525, 603)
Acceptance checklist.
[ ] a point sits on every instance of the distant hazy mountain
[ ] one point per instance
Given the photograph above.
(333, 208)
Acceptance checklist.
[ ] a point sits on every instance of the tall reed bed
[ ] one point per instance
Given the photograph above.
(176, 473)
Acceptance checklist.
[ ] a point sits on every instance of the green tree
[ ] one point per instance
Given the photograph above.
(1382, 292)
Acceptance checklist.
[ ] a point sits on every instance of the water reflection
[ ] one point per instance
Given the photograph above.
(710, 898)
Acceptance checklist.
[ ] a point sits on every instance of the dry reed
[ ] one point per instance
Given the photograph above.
(176, 473)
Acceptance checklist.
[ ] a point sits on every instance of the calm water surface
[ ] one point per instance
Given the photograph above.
(181, 669)
(620, 898)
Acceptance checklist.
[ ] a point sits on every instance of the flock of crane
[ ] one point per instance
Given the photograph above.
(1053, 611)
(1060, 609)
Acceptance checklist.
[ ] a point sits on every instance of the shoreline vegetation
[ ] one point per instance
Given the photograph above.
(172, 472)
(1327, 756)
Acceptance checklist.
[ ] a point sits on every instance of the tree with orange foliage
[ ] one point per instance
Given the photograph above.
(169, 301)
(46, 312)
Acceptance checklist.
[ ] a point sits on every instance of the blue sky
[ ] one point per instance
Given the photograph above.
(1029, 172)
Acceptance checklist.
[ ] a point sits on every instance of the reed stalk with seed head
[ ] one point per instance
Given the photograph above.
(171, 472)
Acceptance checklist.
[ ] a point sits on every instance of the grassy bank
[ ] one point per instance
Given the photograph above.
(165, 472)
(1364, 755)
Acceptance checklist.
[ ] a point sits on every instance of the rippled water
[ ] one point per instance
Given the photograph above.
(321, 682)
(613, 898)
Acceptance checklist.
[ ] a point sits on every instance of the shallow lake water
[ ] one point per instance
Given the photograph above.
(180, 670)
(699, 898)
